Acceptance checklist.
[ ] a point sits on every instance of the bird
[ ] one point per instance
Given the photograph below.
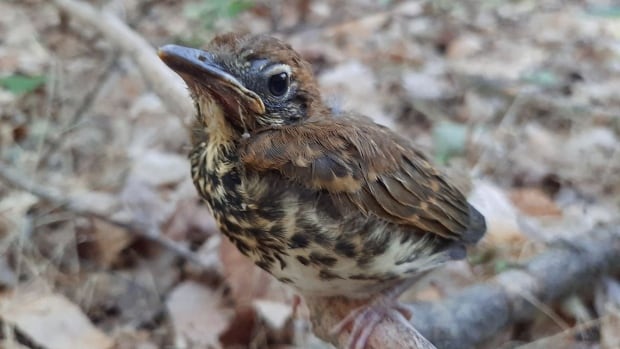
(325, 200)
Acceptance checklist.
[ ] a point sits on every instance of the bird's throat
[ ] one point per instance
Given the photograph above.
(211, 125)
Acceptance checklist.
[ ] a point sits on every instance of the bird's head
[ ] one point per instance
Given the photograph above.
(246, 82)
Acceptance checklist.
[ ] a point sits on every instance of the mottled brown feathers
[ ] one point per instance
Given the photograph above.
(366, 165)
(331, 205)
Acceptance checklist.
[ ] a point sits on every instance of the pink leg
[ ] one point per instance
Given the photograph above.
(295, 304)
(365, 318)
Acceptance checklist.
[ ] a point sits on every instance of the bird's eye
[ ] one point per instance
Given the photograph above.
(278, 84)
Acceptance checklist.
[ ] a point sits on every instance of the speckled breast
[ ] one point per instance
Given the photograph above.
(252, 224)
(300, 236)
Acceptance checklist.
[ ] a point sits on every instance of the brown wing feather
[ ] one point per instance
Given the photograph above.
(368, 165)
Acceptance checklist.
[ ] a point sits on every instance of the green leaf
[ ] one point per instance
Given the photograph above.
(21, 84)
(209, 11)
(449, 139)
(237, 7)
(501, 266)
(541, 78)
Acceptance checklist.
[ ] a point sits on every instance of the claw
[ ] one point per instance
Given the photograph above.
(365, 318)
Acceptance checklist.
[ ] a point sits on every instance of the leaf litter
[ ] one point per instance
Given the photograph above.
(517, 99)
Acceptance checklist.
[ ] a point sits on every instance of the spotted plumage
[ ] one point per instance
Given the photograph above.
(332, 205)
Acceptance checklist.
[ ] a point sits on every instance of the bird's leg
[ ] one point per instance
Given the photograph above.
(295, 304)
(364, 319)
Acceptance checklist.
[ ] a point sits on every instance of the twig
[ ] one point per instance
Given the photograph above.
(337, 20)
(548, 341)
(168, 86)
(86, 103)
(91, 94)
(146, 231)
(477, 313)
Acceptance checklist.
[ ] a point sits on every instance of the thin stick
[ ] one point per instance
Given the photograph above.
(166, 84)
(146, 231)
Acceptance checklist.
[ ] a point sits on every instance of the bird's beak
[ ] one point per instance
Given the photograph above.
(198, 66)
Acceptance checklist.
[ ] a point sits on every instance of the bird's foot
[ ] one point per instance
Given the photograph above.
(365, 318)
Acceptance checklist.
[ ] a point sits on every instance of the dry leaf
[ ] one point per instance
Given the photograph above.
(103, 242)
(144, 203)
(501, 216)
(158, 168)
(13, 212)
(51, 321)
(21, 50)
(198, 315)
(276, 320)
(247, 281)
(506, 59)
(275, 314)
(131, 296)
(241, 329)
(426, 85)
(464, 46)
(191, 218)
(534, 202)
(363, 27)
(355, 83)
(97, 201)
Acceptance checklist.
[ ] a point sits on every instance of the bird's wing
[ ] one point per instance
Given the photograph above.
(372, 168)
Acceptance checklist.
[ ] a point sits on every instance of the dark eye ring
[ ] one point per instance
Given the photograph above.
(278, 84)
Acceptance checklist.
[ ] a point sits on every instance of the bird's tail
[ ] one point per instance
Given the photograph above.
(476, 228)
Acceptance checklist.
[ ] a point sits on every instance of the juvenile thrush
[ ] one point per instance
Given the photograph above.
(330, 204)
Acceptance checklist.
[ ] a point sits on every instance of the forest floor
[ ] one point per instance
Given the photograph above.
(518, 101)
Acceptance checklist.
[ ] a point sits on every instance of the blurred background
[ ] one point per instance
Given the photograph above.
(104, 243)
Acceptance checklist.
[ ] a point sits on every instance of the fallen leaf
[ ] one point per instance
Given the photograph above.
(102, 202)
(21, 84)
(191, 218)
(500, 214)
(21, 50)
(533, 202)
(275, 314)
(241, 328)
(158, 168)
(478, 108)
(276, 320)
(144, 203)
(464, 46)
(51, 321)
(507, 59)
(409, 8)
(246, 280)
(355, 83)
(426, 85)
(102, 242)
(363, 27)
(133, 295)
(210, 261)
(198, 315)
(13, 212)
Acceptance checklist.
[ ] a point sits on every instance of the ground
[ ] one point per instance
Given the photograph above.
(105, 243)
